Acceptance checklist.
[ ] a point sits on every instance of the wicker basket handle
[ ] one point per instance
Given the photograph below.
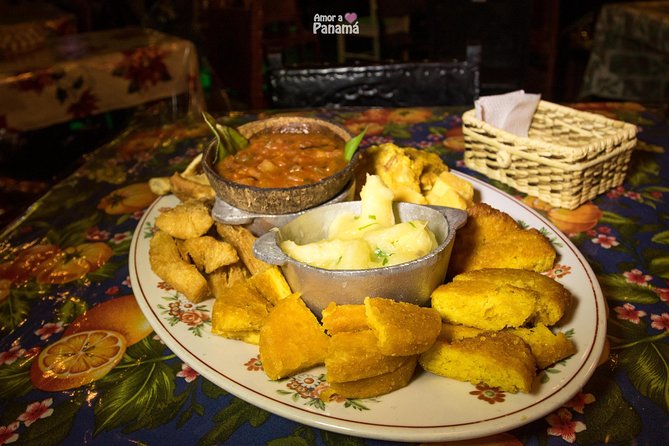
(503, 159)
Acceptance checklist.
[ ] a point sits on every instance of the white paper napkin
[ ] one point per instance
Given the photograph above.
(510, 111)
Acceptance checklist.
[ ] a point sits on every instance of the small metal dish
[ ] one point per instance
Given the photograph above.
(280, 200)
(411, 282)
(259, 224)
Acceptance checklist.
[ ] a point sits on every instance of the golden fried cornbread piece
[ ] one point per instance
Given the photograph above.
(554, 298)
(547, 347)
(348, 317)
(402, 329)
(167, 263)
(209, 254)
(484, 305)
(186, 220)
(271, 283)
(291, 339)
(453, 332)
(377, 385)
(355, 355)
(493, 239)
(239, 310)
(242, 239)
(498, 359)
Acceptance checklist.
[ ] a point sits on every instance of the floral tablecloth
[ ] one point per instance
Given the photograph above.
(64, 265)
(630, 53)
(84, 74)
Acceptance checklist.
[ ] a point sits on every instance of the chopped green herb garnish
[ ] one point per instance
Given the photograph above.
(411, 223)
(366, 226)
(378, 252)
(372, 217)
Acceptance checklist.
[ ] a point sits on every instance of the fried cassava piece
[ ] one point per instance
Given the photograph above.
(168, 264)
(186, 220)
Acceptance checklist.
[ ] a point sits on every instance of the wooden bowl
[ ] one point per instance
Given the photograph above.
(287, 200)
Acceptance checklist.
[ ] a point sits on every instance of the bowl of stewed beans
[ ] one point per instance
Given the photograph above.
(291, 163)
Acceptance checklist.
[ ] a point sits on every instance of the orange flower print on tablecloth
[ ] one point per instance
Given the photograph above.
(73, 263)
(409, 115)
(128, 199)
(373, 120)
(51, 264)
(569, 221)
(574, 221)
(455, 140)
(581, 219)
(376, 120)
(143, 67)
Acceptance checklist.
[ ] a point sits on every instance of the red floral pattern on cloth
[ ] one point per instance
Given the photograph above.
(143, 67)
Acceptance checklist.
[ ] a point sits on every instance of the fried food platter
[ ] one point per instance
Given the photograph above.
(430, 408)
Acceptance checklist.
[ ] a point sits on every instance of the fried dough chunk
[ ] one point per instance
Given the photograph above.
(377, 385)
(209, 254)
(493, 239)
(167, 263)
(402, 329)
(291, 339)
(498, 359)
(485, 305)
(186, 220)
(239, 312)
(347, 317)
(553, 298)
(242, 239)
(547, 347)
(355, 355)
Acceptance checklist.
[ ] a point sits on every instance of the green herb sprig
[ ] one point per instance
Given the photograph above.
(228, 140)
(352, 145)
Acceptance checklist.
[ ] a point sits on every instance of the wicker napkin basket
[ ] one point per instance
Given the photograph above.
(568, 158)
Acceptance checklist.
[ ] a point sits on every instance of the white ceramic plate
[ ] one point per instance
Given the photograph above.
(430, 408)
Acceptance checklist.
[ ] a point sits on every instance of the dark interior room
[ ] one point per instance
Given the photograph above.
(541, 46)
